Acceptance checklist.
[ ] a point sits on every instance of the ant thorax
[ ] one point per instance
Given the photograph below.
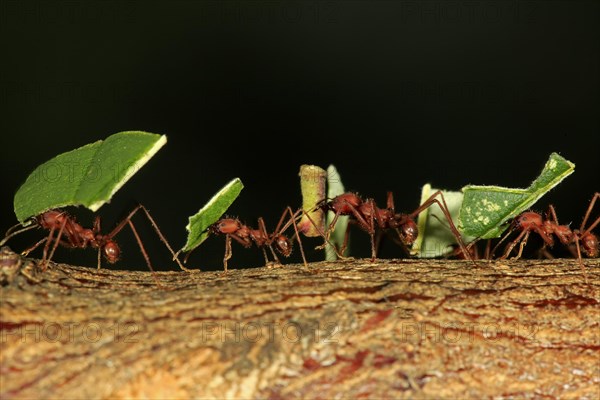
(257, 236)
(562, 232)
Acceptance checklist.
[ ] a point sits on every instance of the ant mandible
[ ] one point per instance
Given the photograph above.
(233, 228)
(531, 221)
(71, 234)
(373, 219)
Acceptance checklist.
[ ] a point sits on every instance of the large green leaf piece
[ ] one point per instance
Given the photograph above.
(486, 209)
(209, 214)
(87, 176)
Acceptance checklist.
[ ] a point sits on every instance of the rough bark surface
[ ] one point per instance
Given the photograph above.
(352, 329)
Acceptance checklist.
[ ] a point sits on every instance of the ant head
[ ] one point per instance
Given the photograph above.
(590, 245)
(409, 231)
(283, 245)
(112, 252)
(225, 226)
(344, 203)
(51, 219)
(528, 220)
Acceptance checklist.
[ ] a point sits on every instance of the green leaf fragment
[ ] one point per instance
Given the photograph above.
(335, 187)
(435, 238)
(209, 214)
(312, 186)
(87, 176)
(486, 209)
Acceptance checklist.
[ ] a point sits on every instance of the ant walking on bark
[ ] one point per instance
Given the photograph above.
(375, 220)
(71, 234)
(276, 242)
(548, 227)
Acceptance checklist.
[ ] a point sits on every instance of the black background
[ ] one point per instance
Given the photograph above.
(394, 93)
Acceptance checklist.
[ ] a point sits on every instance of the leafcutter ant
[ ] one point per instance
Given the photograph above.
(548, 227)
(276, 242)
(375, 220)
(71, 234)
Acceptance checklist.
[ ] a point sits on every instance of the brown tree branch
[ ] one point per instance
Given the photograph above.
(389, 329)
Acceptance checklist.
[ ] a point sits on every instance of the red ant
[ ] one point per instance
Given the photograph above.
(373, 219)
(246, 236)
(72, 235)
(531, 221)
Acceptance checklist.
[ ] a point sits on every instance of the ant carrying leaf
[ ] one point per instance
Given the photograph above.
(88, 176)
(486, 210)
(578, 241)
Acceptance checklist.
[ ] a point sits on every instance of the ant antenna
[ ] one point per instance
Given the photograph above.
(12, 232)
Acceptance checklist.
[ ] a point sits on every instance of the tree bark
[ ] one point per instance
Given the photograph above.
(357, 329)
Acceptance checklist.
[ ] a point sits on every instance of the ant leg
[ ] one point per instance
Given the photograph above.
(390, 202)
(512, 244)
(56, 243)
(265, 255)
(11, 232)
(298, 236)
(46, 247)
(96, 229)
(488, 248)
(551, 214)
(127, 219)
(372, 230)
(262, 227)
(587, 214)
(329, 230)
(544, 253)
(444, 207)
(26, 252)
(141, 245)
(581, 264)
(510, 230)
(292, 221)
(144, 253)
(13, 228)
(369, 226)
(327, 241)
(227, 255)
(345, 244)
(522, 245)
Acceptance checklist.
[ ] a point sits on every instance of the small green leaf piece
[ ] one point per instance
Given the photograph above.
(486, 209)
(87, 176)
(209, 214)
(435, 238)
(312, 186)
(335, 187)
